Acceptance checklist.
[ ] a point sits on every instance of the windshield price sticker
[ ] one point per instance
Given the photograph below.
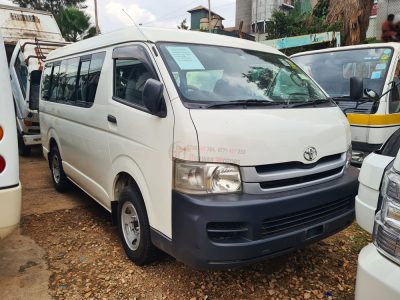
(185, 58)
(376, 75)
(381, 66)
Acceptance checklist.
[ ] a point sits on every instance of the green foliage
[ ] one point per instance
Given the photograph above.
(53, 6)
(295, 24)
(74, 24)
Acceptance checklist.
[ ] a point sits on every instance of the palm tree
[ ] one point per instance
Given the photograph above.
(74, 24)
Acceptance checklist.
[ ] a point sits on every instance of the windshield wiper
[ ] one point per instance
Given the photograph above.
(310, 103)
(250, 102)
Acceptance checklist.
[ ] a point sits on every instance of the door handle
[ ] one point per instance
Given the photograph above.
(112, 119)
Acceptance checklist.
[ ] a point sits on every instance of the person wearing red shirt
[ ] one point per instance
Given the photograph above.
(388, 30)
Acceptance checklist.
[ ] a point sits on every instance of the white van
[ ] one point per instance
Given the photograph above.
(217, 150)
(375, 115)
(10, 188)
(379, 263)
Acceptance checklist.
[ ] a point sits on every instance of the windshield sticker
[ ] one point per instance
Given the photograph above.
(376, 75)
(385, 57)
(380, 66)
(185, 58)
(387, 51)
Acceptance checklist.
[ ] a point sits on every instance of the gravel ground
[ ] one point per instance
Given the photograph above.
(87, 261)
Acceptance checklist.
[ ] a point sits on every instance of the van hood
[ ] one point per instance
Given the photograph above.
(249, 137)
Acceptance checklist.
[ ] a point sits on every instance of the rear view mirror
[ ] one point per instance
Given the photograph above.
(153, 98)
(356, 88)
(34, 89)
(371, 94)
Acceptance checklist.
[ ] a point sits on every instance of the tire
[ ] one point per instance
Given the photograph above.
(60, 180)
(22, 148)
(138, 246)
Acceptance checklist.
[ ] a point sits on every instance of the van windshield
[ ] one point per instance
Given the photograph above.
(333, 70)
(206, 74)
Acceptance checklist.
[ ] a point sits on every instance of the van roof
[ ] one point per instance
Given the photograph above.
(396, 46)
(153, 35)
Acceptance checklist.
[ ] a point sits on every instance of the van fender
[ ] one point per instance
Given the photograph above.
(125, 164)
(51, 134)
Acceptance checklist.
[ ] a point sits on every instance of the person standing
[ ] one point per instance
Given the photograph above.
(389, 33)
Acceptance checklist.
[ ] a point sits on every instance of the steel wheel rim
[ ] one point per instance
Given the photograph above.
(56, 169)
(130, 226)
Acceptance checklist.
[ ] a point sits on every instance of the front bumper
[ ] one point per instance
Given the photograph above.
(10, 210)
(377, 277)
(32, 139)
(221, 231)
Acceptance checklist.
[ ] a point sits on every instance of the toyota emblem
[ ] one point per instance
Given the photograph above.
(310, 154)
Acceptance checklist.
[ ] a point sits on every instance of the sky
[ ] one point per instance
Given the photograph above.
(154, 13)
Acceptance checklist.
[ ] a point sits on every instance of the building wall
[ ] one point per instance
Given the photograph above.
(195, 19)
(243, 13)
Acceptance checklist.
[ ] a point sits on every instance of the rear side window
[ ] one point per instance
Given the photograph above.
(73, 81)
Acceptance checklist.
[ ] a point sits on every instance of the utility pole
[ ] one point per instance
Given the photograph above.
(209, 16)
(96, 18)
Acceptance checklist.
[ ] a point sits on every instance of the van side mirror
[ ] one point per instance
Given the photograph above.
(34, 89)
(371, 94)
(153, 98)
(356, 88)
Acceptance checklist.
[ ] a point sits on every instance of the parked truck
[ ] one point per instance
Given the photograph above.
(29, 36)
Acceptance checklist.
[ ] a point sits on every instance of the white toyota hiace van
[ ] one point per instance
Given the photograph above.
(10, 188)
(217, 150)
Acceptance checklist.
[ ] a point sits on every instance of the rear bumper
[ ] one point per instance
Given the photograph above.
(32, 139)
(377, 277)
(10, 210)
(222, 231)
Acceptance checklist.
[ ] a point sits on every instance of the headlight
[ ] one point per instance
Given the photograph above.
(206, 178)
(387, 221)
(358, 157)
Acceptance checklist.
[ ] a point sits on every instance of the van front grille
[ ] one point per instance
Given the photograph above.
(299, 180)
(287, 176)
(316, 215)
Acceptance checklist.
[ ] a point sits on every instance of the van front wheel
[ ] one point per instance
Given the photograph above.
(60, 180)
(134, 228)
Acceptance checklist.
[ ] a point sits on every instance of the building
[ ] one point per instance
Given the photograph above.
(199, 19)
(255, 14)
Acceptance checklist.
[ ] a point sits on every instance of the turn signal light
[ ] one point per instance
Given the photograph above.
(2, 164)
(1, 133)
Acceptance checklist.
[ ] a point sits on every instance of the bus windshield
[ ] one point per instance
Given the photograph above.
(206, 74)
(333, 70)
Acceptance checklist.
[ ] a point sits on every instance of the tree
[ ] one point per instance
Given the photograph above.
(353, 14)
(183, 25)
(53, 6)
(74, 24)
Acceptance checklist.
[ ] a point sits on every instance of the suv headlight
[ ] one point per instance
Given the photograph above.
(206, 178)
(387, 222)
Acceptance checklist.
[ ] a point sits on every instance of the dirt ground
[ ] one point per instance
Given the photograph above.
(85, 258)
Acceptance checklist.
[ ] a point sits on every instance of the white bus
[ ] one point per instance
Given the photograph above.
(10, 188)
(29, 35)
(217, 150)
(375, 115)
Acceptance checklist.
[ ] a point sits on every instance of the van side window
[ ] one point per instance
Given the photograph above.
(22, 73)
(73, 81)
(46, 83)
(54, 83)
(130, 77)
(69, 81)
(96, 65)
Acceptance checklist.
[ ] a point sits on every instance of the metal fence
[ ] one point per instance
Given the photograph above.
(384, 8)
